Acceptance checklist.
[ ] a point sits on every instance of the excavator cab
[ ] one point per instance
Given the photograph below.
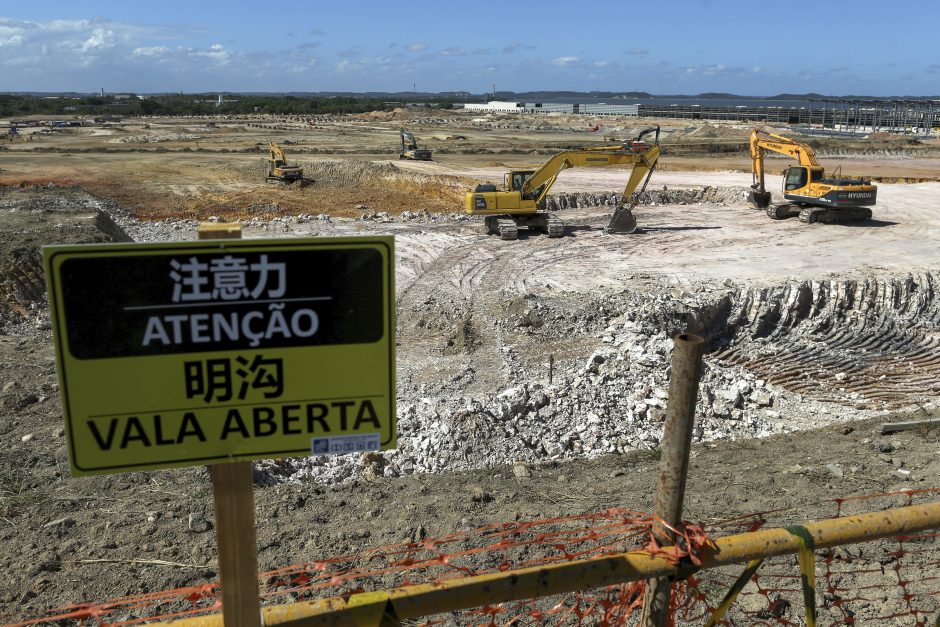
(515, 179)
(795, 177)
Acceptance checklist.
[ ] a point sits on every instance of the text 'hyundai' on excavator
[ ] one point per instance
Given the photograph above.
(806, 188)
(522, 203)
(279, 171)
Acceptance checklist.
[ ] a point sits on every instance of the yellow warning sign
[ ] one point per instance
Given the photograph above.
(221, 350)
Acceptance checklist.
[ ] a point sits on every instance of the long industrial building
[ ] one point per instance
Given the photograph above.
(840, 115)
(553, 107)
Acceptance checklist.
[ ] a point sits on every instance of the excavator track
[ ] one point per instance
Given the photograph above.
(782, 212)
(810, 215)
(507, 229)
(554, 227)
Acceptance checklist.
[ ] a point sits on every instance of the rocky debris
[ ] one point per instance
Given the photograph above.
(613, 401)
(149, 139)
(674, 196)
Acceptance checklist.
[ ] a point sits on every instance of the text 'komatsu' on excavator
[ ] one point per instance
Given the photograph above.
(806, 188)
(522, 203)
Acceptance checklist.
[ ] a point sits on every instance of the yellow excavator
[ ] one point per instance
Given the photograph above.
(279, 171)
(522, 203)
(410, 150)
(806, 188)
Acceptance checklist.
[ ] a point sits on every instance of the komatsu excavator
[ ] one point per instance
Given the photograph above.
(810, 194)
(410, 150)
(522, 203)
(278, 168)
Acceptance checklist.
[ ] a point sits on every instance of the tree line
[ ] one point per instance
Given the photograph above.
(195, 104)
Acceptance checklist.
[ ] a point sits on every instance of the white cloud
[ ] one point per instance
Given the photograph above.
(151, 51)
(452, 52)
(565, 61)
(69, 44)
(638, 52)
(100, 39)
(216, 53)
(416, 47)
(346, 66)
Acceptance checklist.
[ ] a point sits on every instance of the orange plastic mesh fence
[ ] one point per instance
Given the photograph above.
(895, 581)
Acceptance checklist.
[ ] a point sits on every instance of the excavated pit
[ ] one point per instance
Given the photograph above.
(33, 218)
(870, 344)
(474, 383)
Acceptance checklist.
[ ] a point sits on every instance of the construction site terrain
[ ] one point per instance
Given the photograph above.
(532, 374)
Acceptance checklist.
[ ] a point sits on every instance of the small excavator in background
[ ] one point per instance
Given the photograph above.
(522, 203)
(809, 192)
(410, 150)
(279, 171)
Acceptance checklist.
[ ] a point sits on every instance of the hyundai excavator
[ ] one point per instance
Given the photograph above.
(806, 188)
(410, 150)
(522, 203)
(279, 171)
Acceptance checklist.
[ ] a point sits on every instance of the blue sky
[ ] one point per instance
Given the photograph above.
(683, 46)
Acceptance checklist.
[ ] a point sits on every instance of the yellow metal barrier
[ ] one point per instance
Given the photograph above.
(457, 594)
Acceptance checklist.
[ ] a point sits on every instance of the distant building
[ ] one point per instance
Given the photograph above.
(497, 105)
(554, 107)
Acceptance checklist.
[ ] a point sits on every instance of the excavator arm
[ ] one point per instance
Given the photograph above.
(636, 152)
(276, 153)
(762, 141)
(408, 141)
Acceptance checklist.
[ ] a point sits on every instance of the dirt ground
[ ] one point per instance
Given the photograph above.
(871, 326)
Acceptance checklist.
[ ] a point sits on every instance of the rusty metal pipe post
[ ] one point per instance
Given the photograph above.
(674, 463)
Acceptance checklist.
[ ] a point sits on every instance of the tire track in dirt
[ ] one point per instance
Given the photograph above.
(869, 344)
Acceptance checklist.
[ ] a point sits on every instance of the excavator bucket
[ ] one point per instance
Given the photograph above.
(758, 200)
(622, 222)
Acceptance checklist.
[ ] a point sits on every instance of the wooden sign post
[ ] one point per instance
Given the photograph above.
(233, 493)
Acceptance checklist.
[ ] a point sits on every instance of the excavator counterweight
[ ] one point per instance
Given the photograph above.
(522, 203)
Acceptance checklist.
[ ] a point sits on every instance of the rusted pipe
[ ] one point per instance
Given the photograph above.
(674, 464)
(458, 594)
